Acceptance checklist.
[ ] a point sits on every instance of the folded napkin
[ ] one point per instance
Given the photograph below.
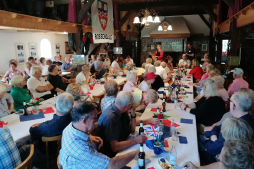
(31, 117)
(48, 110)
(157, 150)
(188, 77)
(167, 122)
(189, 92)
(160, 92)
(85, 93)
(187, 121)
(2, 123)
(183, 140)
(91, 86)
(155, 109)
(102, 82)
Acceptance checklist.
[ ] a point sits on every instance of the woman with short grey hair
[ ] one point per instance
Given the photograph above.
(210, 108)
(18, 93)
(84, 75)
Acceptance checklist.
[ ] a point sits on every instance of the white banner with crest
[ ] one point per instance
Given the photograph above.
(102, 21)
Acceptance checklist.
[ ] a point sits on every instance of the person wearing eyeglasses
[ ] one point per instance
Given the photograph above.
(116, 123)
(240, 104)
(54, 127)
(78, 145)
(237, 151)
(238, 82)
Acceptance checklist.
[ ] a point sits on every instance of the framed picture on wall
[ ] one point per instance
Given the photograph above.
(204, 47)
(32, 50)
(20, 52)
(68, 50)
(57, 48)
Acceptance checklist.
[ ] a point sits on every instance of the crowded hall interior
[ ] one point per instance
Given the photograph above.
(127, 84)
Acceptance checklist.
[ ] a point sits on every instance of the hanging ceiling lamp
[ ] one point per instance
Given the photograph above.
(165, 26)
(147, 17)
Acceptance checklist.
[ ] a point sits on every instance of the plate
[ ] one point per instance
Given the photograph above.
(164, 164)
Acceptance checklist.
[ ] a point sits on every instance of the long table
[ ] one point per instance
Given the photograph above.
(185, 152)
(20, 130)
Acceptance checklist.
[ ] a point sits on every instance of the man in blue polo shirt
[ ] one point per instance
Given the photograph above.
(115, 124)
(67, 66)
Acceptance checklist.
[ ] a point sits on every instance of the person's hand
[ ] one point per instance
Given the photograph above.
(182, 105)
(97, 140)
(208, 128)
(153, 121)
(214, 138)
(140, 139)
(132, 112)
(36, 125)
(189, 165)
(191, 83)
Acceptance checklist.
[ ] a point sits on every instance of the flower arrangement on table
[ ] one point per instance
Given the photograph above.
(35, 103)
(160, 116)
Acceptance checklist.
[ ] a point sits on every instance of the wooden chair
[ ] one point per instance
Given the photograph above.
(27, 164)
(49, 139)
(139, 77)
(100, 97)
(120, 86)
(58, 164)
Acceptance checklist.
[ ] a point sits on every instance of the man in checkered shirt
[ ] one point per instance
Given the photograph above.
(78, 150)
(9, 154)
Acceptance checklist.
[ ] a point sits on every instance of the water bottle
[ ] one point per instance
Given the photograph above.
(173, 156)
(172, 129)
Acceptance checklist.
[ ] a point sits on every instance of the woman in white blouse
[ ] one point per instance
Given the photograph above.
(84, 75)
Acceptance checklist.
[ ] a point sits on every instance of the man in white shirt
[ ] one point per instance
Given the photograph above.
(184, 62)
(115, 64)
(161, 71)
(39, 87)
(129, 61)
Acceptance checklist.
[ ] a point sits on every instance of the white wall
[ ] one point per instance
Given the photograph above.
(9, 38)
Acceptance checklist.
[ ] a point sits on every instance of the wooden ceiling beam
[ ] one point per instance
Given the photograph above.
(230, 3)
(205, 21)
(125, 17)
(210, 12)
(126, 5)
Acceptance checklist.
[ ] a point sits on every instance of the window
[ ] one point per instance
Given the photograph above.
(46, 49)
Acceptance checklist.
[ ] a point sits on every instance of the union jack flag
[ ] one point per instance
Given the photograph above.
(96, 81)
(152, 131)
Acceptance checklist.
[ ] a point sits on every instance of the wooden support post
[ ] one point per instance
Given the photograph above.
(235, 37)
(5, 5)
(138, 61)
(210, 12)
(230, 3)
(124, 19)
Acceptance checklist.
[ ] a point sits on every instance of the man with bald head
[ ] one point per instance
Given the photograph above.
(67, 66)
(160, 70)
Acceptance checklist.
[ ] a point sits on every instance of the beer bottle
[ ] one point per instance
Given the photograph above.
(25, 111)
(141, 129)
(164, 105)
(141, 158)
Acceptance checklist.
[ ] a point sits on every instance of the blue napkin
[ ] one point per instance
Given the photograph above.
(187, 121)
(179, 77)
(160, 92)
(102, 82)
(188, 92)
(157, 150)
(31, 117)
(183, 140)
(187, 80)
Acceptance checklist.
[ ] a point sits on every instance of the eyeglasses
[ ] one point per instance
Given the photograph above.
(94, 117)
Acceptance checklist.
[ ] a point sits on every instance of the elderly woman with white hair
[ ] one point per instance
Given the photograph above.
(6, 102)
(39, 87)
(219, 81)
(18, 93)
(75, 90)
(84, 75)
(132, 80)
(210, 108)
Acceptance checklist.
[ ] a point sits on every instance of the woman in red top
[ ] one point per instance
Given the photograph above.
(159, 53)
(197, 71)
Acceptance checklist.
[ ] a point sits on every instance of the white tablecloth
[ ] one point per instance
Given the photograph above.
(65, 73)
(20, 130)
(185, 152)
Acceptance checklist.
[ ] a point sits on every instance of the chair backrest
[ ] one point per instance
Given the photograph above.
(58, 164)
(100, 97)
(49, 139)
(27, 164)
